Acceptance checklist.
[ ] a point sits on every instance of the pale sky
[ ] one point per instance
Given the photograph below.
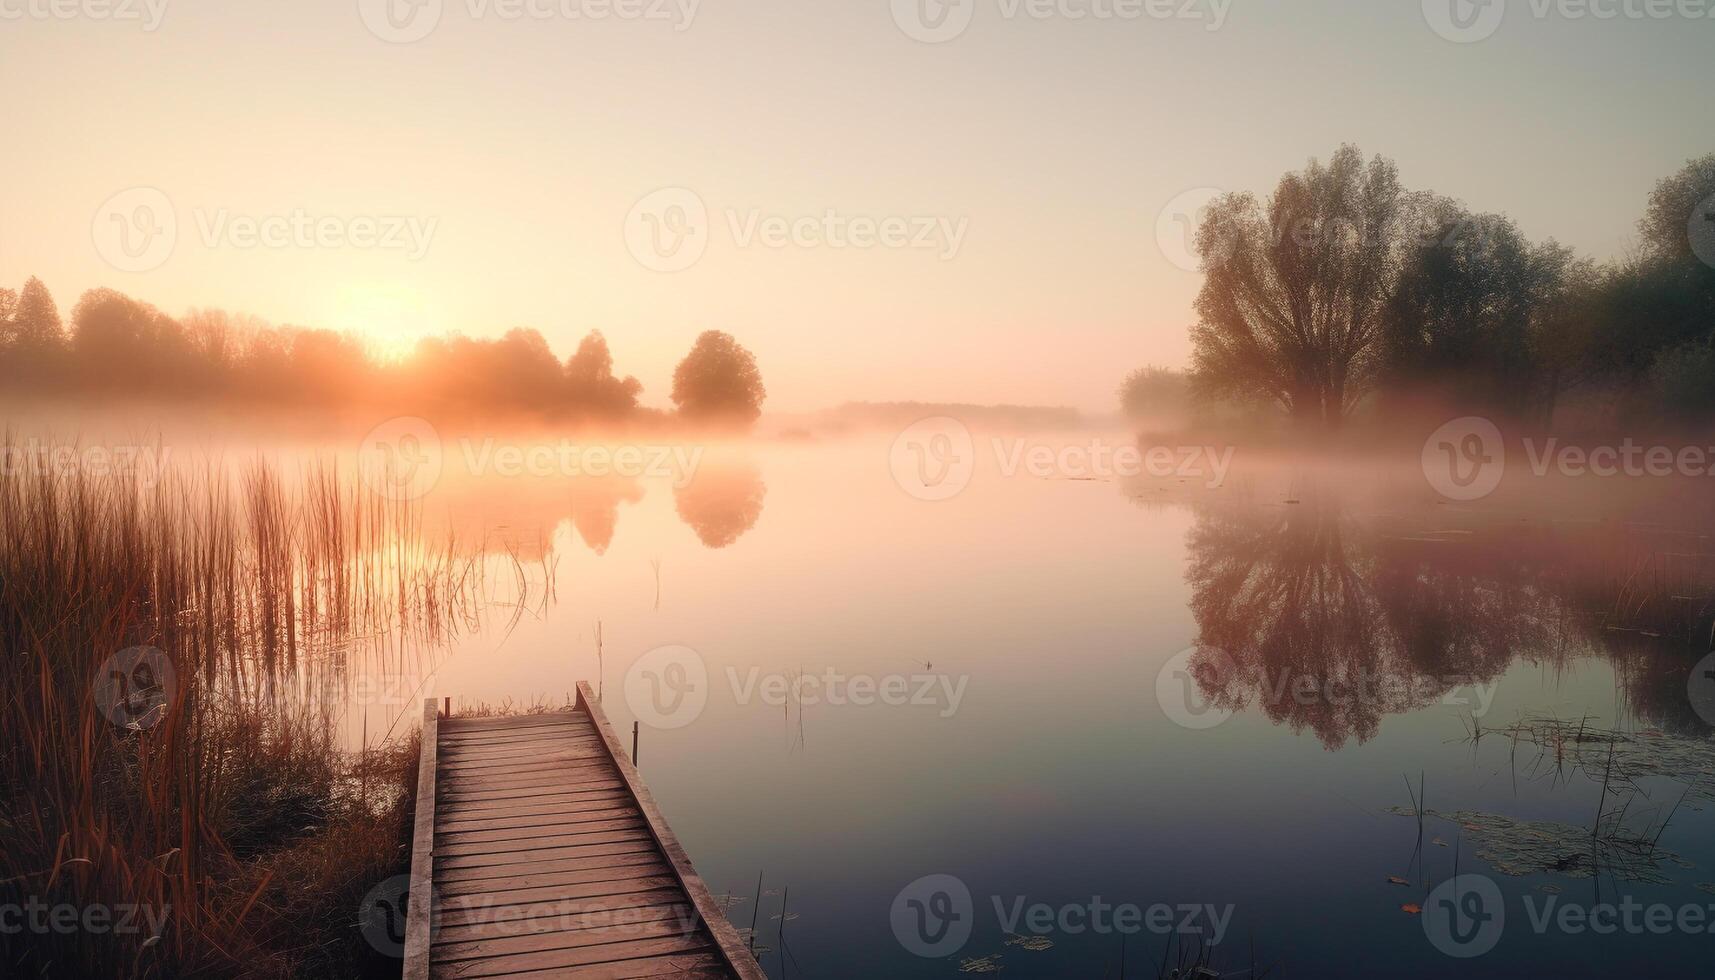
(1050, 145)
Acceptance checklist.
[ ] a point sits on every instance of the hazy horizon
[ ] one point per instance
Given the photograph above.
(1050, 146)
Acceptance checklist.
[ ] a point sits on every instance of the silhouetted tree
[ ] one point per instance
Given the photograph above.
(131, 346)
(35, 327)
(718, 382)
(1473, 301)
(594, 389)
(1679, 237)
(1681, 212)
(1152, 392)
(1295, 293)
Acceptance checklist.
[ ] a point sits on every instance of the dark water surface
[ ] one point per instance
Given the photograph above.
(1088, 694)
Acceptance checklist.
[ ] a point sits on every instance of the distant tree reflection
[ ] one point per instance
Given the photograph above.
(722, 501)
(1331, 625)
(595, 507)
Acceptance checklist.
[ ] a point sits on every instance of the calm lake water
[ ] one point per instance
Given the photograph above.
(1082, 694)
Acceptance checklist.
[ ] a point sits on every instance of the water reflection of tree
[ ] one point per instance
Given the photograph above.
(595, 507)
(721, 501)
(1329, 625)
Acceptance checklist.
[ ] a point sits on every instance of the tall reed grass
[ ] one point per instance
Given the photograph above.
(228, 821)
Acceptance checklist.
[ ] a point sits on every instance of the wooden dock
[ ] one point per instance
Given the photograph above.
(539, 852)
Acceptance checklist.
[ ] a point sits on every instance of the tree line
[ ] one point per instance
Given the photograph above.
(1344, 295)
(119, 347)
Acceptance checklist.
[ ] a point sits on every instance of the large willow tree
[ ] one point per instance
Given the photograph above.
(1297, 289)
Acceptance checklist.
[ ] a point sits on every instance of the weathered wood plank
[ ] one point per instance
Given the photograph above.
(466, 725)
(534, 918)
(543, 854)
(550, 859)
(726, 937)
(649, 925)
(419, 917)
(496, 835)
(498, 966)
(529, 816)
(555, 900)
(544, 867)
(479, 795)
(545, 759)
(519, 744)
(594, 790)
(528, 821)
(635, 832)
(649, 867)
(472, 782)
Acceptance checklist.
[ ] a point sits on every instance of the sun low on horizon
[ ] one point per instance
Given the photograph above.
(905, 214)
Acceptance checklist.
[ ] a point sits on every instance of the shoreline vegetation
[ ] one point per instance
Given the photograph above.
(1344, 300)
(178, 649)
(119, 349)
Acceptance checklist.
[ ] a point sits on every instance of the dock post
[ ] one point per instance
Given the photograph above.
(634, 743)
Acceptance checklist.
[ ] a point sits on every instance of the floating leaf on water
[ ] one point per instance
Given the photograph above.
(1523, 847)
(1438, 842)
(1396, 880)
(1410, 908)
(1549, 889)
(1032, 943)
(983, 964)
(1705, 886)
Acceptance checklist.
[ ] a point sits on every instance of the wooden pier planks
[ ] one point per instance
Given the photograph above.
(541, 853)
